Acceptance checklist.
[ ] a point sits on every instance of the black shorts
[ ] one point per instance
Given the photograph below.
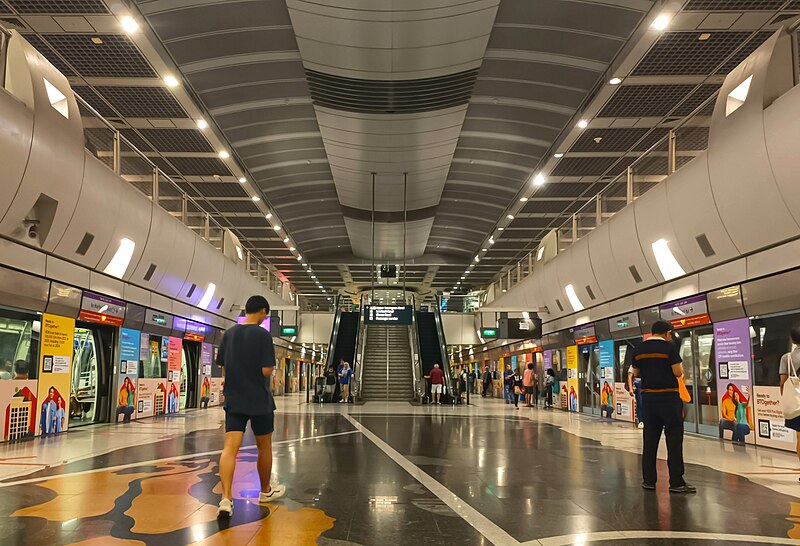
(261, 424)
(528, 390)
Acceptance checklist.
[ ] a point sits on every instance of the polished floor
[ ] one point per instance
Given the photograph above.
(386, 474)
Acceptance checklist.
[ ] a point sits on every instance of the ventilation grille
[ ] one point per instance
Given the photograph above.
(86, 242)
(560, 307)
(590, 292)
(191, 290)
(116, 57)
(705, 245)
(635, 274)
(684, 53)
(733, 5)
(58, 7)
(150, 271)
(391, 97)
(635, 101)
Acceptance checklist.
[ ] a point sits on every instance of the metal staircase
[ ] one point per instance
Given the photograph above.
(387, 373)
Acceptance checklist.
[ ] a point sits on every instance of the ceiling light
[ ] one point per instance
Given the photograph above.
(291, 249)
(491, 240)
(483, 250)
(477, 259)
(286, 240)
(583, 124)
(615, 81)
(510, 216)
(242, 180)
(224, 154)
(667, 264)
(202, 124)
(209, 293)
(129, 24)
(256, 199)
(558, 155)
(538, 180)
(122, 258)
(268, 215)
(573, 298)
(704, 36)
(299, 258)
(170, 81)
(504, 290)
(660, 23)
(276, 228)
(500, 229)
(523, 199)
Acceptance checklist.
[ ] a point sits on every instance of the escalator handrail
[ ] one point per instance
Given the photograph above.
(416, 361)
(445, 360)
(334, 333)
(361, 340)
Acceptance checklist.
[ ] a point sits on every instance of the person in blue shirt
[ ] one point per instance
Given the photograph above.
(508, 384)
(344, 380)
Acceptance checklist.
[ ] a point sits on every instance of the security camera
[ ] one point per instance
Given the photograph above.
(33, 228)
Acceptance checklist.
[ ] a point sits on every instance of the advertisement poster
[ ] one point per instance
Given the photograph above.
(55, 377)
(623, 403)
(206, 356)
(216, 398)
(572, 378)
(174, 353)
(128, 373)
(151, 397)
(770, 422)
(18, 404)
(606, 356)
(734, 384)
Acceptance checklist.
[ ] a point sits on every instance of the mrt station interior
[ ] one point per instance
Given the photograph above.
(485, 208)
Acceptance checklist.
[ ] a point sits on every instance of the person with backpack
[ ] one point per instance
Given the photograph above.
(549, 385)
(517, 388)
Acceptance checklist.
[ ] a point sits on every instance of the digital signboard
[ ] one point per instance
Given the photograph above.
(391, 315)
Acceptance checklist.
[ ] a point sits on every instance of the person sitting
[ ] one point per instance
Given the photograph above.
(21, 370)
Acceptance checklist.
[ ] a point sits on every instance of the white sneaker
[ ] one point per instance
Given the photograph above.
(275, 492)
(225, 509)
(641, 425)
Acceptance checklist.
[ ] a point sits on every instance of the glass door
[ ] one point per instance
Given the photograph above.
(91, 374)
(589, 378)
(696, 347)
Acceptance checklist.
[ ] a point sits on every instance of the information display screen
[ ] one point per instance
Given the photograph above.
(398, 315)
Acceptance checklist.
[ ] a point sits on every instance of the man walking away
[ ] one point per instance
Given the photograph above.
(437, 383)
(658, 364)
(508, 384)
(247, 358)
(487, 382)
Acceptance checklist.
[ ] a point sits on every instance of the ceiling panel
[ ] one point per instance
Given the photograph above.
(116, 56)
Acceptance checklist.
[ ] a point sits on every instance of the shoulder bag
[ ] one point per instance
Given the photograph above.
(790, 399)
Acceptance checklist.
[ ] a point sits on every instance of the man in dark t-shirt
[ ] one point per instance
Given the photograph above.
(437, 383)
(657, 363)
(247, 358)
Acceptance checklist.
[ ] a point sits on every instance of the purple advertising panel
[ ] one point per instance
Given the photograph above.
(547, 357)
(734, 380)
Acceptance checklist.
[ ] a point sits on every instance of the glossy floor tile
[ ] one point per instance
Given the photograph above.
(391, 474)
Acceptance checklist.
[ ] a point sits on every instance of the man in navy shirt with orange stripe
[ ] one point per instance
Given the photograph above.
(658, 364)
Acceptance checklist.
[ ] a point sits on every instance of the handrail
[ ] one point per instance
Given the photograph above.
(416, 363)
(357, 358)
(334, 333)
(361, 342)
(437, 315)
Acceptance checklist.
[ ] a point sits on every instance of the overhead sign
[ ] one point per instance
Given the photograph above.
(288, 330)
(195, 331)
(102, 309)
(686, 313)
(513, 328)
(158, 319)
(397, 315)
(490, 333)
(584, 334)
(624, 322)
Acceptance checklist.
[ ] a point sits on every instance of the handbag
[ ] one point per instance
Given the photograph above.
(683, 391)
(517, 390)
(790, 399)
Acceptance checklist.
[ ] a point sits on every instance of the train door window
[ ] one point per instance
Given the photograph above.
(19, 344)
(184, 378)
(91, 374)
(770, 341)
(706, 383)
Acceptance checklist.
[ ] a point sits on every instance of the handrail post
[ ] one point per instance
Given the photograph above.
(629, 192)
(116, 159)
(207, 229)
(156, 177)
(598, 211)
(574, 228)
(185, 209)
(672, 152)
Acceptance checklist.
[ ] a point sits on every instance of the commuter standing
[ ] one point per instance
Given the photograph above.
(487, 381)
(247, 358)
(437, 383)
(471, 381)
(658, 364)
(344, 380)
(528, 379)
(517, 390)
(784, 372)
(330, 384)
(635, 390)
(508, 384)
(549, 385)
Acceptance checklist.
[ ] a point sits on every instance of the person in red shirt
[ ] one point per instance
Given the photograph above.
(528, 380)
(437, 383)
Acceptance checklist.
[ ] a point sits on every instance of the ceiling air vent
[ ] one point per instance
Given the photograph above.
(560, 307)
(150, 271)
(635, 274)
(191, 290)
(219, 305)
(590, 292)
(86, 242)
(705, 245)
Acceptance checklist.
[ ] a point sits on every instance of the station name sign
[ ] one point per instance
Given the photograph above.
(397, 315)
(102, 309)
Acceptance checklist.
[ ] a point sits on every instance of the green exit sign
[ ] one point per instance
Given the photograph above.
(488, 332)
(288, 330)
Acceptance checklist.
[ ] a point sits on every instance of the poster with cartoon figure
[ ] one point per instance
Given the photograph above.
(55, 367)
(734, 384)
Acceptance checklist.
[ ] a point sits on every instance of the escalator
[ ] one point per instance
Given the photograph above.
(432, 347)
(345, 337)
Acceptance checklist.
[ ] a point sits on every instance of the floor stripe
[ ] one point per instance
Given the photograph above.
(583, 538)
(478, 521)
(168, 459)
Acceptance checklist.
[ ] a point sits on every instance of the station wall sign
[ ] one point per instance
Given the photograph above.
(401, 315)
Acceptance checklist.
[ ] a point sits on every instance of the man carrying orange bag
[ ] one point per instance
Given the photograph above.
(658, 364)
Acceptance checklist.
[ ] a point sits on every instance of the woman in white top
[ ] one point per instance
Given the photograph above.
(794, 356)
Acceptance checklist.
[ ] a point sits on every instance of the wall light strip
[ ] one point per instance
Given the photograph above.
(574, 301)
(667, 264)
(122, 258)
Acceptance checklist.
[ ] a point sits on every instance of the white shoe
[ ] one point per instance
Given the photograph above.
(275, 492)
(225, 509)
(641, 425)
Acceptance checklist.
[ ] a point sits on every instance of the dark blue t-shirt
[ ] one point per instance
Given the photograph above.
(244, 351)
(344, 379)
(508, 377)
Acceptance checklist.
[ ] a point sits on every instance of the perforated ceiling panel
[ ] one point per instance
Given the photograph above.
(199, 166)
(177, 140)
(142, 102)
(733, 5)
(47, 52)
(117, 56)
(655, 100)
(59, 7)
(689, 53)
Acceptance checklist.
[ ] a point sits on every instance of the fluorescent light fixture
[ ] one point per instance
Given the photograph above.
(170, 81)
(477, 258)
(129, 24)
(256, 199)
(510, 216)
(57, 99)
(558, 154)
(504, 290)
(202, 124)
(223, 154)
(540, 253)
(573, 298)
(205, 301)
(523, 199)
(242, 180)
(615, 81)
(661, 22)
(736, 97)
(122, 258)
(667, 264)
(483, 250)
(538, 180)
(491, 240)
(583, 124)
(500, 229)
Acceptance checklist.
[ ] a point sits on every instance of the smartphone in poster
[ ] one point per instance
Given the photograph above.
(129, 353)
(734, 385)
(151, 397)
(771, 426)
(55, 363)
(623, 403)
